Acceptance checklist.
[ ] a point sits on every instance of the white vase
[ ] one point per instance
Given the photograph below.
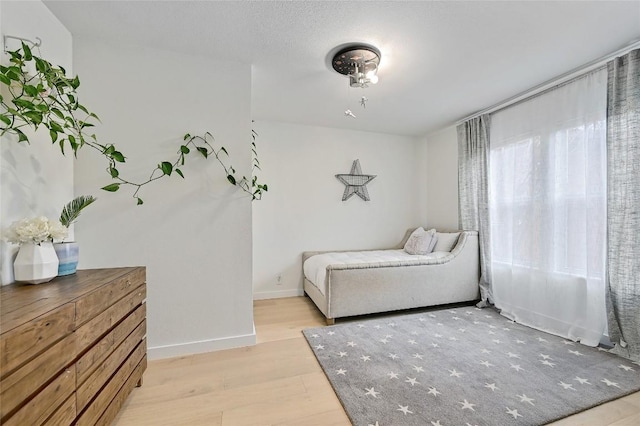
(36, 263)
(68, 255)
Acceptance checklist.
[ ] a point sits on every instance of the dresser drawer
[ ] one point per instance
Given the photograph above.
(116, 403)
(98, 406)
(65, 414)
(21, 344)
(106, 369)
(92, 304)
(46, 402)
(20, 385)
(94, 329)
(98, 353)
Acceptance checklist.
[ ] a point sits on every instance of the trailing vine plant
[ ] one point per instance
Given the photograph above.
(47, 98)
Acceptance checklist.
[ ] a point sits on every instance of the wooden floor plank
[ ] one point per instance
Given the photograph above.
(276, 382)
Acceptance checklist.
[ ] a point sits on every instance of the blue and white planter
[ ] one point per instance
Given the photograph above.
(68, 255)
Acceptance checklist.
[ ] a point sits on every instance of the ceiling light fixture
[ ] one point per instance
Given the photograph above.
(359, 63)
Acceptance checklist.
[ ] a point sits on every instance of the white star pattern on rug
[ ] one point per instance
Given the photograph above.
(404, 409)
(467, 406)
(609, 383)
(582, 381)
(491, 386)
(525, 398)
(372, 392)
(566, 385)
(366, 359)
(455, 373)
(373, 424)
(412, 381)
(514, 413)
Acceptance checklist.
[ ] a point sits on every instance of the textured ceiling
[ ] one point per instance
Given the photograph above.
(440, 61)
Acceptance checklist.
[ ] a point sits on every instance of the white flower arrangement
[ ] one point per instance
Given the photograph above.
(35, 230)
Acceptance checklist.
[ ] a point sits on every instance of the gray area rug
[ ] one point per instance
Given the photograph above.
(464, 366)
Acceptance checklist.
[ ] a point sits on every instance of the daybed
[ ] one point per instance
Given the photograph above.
(344, 284)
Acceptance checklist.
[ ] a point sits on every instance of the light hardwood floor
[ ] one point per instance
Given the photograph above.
(276, 382)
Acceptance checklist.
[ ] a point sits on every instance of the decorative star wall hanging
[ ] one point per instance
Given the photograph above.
(355, 182)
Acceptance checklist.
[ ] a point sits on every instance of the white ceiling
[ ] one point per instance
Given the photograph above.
(440, 61)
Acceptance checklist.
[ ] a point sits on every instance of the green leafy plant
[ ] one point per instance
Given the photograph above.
(47, 98)
(250, 186)
(72, 209)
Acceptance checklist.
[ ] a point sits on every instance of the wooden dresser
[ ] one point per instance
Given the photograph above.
(72, 350)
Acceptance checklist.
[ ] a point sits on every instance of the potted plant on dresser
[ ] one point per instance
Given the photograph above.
(68, 251)
(36, 261)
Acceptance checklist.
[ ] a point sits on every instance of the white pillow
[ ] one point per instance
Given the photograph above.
(446, 241)
(434, 240)
(420, 242)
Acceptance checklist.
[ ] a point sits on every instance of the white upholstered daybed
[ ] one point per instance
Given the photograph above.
(344, 284)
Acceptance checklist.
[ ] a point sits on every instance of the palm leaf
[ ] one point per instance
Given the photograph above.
(72, 210)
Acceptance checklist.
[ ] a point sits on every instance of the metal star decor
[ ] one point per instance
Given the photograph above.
(355, 182)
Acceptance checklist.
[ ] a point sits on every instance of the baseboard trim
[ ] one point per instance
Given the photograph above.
(192, 348)
(261, 295)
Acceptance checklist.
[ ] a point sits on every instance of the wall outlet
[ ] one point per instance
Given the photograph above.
(279, 279)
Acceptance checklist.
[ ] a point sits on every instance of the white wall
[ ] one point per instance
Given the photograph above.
(193, 235)
(442, 179)
(35, 179)
(303, 209)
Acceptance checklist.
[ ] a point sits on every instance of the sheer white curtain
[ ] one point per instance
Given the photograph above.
(547, 201)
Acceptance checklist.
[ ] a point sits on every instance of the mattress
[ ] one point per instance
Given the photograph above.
(315, 267)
